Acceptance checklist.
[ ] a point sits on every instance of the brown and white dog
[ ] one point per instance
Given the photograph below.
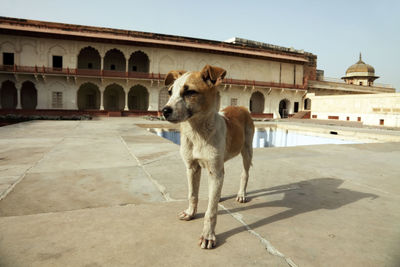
(208, 138)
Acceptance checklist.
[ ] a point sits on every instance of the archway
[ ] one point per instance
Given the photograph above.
(114, 60)
(138, 62)
(138, 98)
(307, 104)
(284, 108)
(88, 96)
(89, 58)
(28, 95)
(257, 101)
(9, 96)
(163, 97)
(114, 97)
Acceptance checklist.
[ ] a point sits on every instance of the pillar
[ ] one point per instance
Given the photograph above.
(154, 94)
(126, 99)
(102, 98)
(19, 96)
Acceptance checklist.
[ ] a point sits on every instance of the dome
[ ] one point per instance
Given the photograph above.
(360, 69)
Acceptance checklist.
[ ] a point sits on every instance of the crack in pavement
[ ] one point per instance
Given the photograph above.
(270, 248)
(159, 186)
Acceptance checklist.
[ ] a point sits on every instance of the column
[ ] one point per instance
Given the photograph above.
(19, 96)
(126, 99)
(102, 64)
(126, 65)
(102, 98)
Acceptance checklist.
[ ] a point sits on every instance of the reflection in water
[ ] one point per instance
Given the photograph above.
(272, 137)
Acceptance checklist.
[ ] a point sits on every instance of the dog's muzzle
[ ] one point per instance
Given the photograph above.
(167, 111)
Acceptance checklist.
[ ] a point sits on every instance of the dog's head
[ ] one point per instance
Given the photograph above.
(192, 93)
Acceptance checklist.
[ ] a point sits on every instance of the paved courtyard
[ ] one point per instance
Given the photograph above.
(107, 193)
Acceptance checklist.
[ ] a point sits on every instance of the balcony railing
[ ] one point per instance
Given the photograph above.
(136, 75)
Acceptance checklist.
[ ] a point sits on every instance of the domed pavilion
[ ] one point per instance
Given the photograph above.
(360, 74)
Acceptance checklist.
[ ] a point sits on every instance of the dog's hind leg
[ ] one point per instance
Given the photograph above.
(247, 156)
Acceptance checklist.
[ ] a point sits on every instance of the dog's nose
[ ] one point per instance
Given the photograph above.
(167, 111)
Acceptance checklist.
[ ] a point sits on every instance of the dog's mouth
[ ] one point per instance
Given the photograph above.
(175, 120)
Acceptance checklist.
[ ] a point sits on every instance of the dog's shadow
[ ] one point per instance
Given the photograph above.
(298, 198)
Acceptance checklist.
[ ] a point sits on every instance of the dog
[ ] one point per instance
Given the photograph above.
(208, 138)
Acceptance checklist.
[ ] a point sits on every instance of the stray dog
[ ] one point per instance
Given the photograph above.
(208, 138)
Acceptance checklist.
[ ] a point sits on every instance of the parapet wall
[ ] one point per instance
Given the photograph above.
(371, 109)
(326, 87)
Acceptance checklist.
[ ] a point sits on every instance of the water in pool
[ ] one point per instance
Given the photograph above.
(273, 137)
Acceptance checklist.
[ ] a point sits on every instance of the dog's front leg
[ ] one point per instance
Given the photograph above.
(193, 172)
(215, 181)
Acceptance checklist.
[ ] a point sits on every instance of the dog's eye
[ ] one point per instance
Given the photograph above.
(190, 93)
(169, 92)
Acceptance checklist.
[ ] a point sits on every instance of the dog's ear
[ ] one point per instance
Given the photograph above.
(172, 76)
(213, 74)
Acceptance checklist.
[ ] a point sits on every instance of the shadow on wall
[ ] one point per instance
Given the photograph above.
(301, 197)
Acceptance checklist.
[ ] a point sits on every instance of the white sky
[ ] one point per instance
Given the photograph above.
(336, 31)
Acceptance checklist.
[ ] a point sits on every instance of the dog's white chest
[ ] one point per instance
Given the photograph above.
(202, 152)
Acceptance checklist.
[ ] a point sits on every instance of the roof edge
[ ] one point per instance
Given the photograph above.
(265, 50)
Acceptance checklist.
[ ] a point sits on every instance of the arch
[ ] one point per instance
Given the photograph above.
(307, 104)
(89, 58)
(32, 43)
(114, 60)
(163, 97)
(139, 62)
(8, 56)
(8, 95)
(257, 102)
(284, 105)
(55, 52)
(57, 49)
(88, 96)
(7, 47)
(28, 95)
(138, 98)
(114, 97)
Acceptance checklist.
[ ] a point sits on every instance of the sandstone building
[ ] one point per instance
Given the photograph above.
(50, 67)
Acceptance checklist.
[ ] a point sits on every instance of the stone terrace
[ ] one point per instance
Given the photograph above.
(107, 193)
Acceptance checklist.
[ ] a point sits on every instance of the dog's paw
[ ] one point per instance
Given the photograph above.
(241, 199)
(208, 243)
(185, 216)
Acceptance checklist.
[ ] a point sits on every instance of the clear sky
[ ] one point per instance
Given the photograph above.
(336, 31)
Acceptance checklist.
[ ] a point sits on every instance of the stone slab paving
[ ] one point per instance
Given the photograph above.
(41, 192)
(132, 235)
(106, 192)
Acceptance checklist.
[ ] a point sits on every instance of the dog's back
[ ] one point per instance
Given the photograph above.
(240, 131)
